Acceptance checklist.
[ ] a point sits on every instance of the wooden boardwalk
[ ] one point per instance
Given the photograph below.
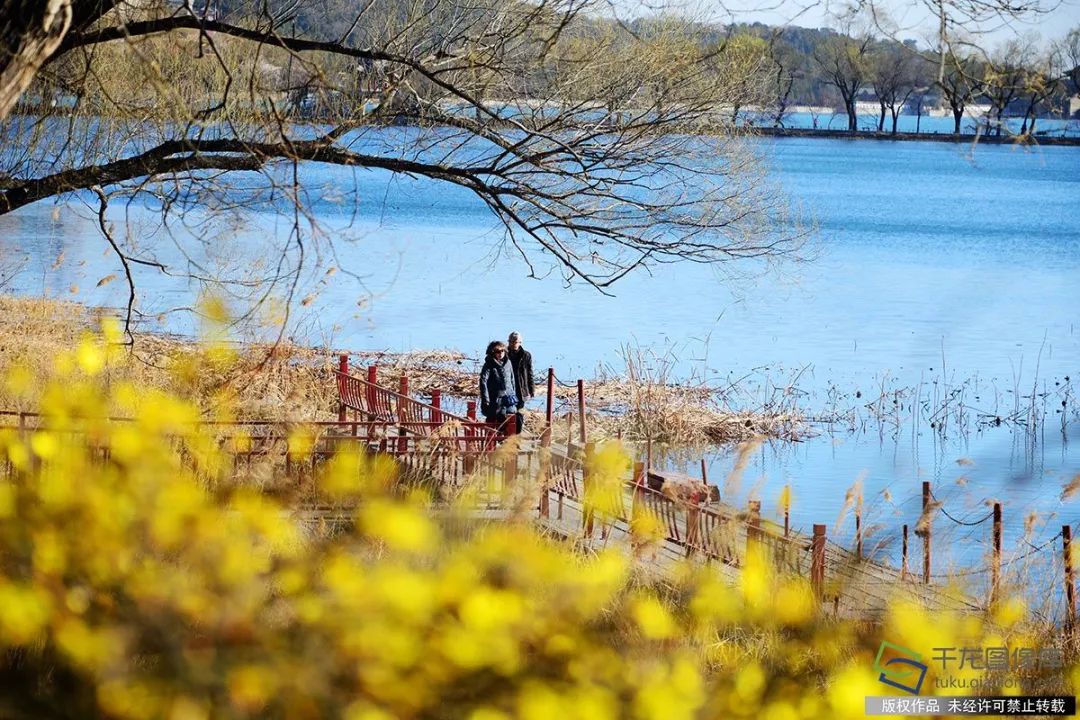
(460, 458)
(553, 484)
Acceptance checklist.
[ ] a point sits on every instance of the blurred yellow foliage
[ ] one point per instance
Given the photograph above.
(138, 580)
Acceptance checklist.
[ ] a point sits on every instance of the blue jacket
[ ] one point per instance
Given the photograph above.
(496, 383)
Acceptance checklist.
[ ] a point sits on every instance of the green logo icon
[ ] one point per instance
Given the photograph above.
(900, 667)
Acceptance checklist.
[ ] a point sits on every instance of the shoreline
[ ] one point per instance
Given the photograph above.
(772, 131)
(780, 132)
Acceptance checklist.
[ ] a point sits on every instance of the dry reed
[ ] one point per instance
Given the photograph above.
(272, 382)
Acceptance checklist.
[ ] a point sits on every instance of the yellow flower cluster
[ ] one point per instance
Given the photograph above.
(136, 581)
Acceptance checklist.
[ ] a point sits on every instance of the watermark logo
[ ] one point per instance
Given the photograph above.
(900, 667)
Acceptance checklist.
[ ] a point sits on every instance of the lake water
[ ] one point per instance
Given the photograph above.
(937, 265)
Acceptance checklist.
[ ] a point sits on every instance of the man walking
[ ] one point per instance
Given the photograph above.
(521, 360)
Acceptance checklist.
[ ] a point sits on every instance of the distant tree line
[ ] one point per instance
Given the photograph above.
(784, 67)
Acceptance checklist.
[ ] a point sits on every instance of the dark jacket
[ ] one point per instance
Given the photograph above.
(496, 383)
(523, 375)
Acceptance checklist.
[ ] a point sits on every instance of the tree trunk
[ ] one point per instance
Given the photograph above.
(1030, 112)
(852, 118)
(958, 115)
(881, 119)
(895, 113)
(30, 31)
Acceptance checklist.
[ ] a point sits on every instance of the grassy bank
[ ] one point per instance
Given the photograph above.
(295, 382)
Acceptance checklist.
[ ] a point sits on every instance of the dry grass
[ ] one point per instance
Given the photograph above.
(261, 381)
(295, 382)
(646, 403)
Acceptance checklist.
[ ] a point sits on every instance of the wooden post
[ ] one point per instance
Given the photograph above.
(373, 380)
(588, 490)
(436, 404)
(753, 524)
(636, 508)
(817, 562)
(639, 482)
(1070, 589)
(470, 433)
(543, 478)
(995, 579)
(693, 523)
(903, 557)
(402, 402)
(343, 369)
(926, 537)
(704, 474)
(570, 433)
(858, 532)
(648, 454)
(581, 409)
(510, 468)
(549, 415)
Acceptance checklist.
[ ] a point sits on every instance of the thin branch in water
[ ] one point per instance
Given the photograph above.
(103, 205)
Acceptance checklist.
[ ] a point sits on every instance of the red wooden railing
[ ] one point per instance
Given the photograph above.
(372, 402)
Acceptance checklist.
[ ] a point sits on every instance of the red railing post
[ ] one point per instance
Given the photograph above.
(343, 370)
(373, 380)
(402, 413)
(470, 433)
(817, 562)
(581, 410)
(436, 404)
(549, 415)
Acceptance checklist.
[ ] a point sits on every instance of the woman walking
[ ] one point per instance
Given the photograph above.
(497, 394)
